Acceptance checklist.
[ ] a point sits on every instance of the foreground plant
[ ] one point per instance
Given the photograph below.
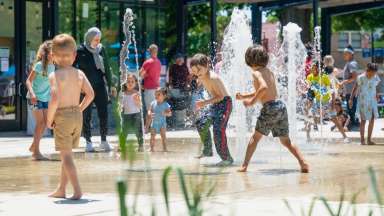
(194, 193)
(339, 210)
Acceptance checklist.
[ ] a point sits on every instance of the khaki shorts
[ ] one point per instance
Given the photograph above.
(68, 124)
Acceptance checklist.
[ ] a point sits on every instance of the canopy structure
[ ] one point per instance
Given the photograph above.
(328, 8)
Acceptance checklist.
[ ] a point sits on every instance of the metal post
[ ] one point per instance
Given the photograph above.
(315, 7)
(256, 23)
(213, 5)
(326, 32)
(180, 26)
(372, 47)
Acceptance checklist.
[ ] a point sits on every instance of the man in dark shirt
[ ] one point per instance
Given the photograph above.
(178, 74)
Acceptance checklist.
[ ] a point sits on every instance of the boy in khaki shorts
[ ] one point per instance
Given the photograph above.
(65, 112)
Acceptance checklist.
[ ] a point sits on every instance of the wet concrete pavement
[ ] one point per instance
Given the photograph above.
(273, 176)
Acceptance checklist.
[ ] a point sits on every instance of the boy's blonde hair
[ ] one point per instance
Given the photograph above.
(153, 48)
(63, 42)
(256, 55)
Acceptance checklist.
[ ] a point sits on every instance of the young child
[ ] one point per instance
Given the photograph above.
(218, 114)
(341, 116)
(131, 110)
(39, 92)
(324, 99)
(273, 116)
(65, 112)
(367, 102)
(157, 114)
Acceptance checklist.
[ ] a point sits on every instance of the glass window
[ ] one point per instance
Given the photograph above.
(86, 17)
(356, 40)
(110, 27)
(7, 65)
(65, 16)
(343, 40)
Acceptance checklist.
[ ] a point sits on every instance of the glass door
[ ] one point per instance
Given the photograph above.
(8, 99)
(33, 39)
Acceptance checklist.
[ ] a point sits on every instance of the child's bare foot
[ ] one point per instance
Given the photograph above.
(39, 157)
(151, 150)
(304, 167)
(76, 196)
(32, 148)
(362, 142)
(140, 149)
(243, 168)
(58, 193)
(371, 143)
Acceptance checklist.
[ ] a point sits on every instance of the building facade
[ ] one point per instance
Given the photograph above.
(27, 23)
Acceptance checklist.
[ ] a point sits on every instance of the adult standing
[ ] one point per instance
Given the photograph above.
(350, 74)
(150, 72)
(178, 75)
(93, 61)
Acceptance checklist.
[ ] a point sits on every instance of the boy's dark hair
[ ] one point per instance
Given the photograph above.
(338, 102)
(372, 67)
(256, 55)
(200, 59)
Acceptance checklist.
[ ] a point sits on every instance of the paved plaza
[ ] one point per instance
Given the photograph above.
(273, 176)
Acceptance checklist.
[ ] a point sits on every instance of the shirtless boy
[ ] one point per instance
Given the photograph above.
(218, 114)
(273, 116)
(65, 112)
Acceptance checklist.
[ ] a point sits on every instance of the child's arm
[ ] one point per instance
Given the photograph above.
(217, 95)
(149, 119)
(167, 113)
(137, 100)
(354, 89)
(53, 103)
(260, 92)
(240, 96)
(28, 83)
(88, 92)
(347, 122)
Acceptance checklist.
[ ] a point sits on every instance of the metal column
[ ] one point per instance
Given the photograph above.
(213, 5)
(256, 23)
(181, 27)
(326, 32)
(315, 9)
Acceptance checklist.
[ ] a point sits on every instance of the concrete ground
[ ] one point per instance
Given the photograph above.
(273, 176)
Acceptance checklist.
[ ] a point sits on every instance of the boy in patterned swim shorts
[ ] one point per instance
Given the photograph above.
(273, 116)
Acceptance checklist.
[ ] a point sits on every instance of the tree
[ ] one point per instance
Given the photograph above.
(365, 20)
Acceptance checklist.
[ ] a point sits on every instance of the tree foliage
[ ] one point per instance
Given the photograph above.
(365, 20)
(198, 25)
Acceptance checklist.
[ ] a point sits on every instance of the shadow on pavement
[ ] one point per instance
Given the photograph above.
(74, 202)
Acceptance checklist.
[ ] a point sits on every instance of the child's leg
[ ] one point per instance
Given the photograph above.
(163, 138)
(152, 141)
(70, 170)
(139, 131)
(40, 121)
(222, 112)
(339, 126)
(286, 141)
(60, 190)
(362, 130)
(250, 150)
(202, 125)
(370, 129)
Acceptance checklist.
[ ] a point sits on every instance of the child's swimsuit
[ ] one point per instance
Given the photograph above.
(273, 117)
(159, 121)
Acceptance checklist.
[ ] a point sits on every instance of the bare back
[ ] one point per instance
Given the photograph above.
(69, 82)
(269, 78)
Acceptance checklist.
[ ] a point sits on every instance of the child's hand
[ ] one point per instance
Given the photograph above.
(50, 124)
(200, 104)
(350, 103)
(247, 103)
(239, 96)
(33, 99)
(345, 129)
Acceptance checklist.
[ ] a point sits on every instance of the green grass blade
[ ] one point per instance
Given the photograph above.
(183, 186)
(326, 204)
(122, 190)
(164, 183)
(375, 189)
(341, 202)
(289, 207)
(312, 206)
